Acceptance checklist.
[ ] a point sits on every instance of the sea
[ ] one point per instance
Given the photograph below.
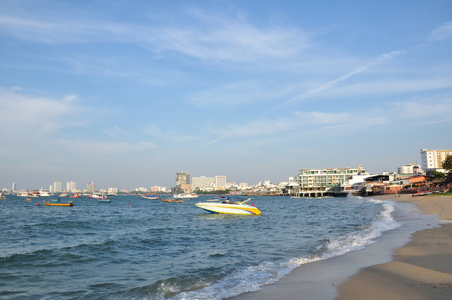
(134, 248)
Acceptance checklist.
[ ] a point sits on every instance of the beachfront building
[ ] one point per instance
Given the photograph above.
(410, 169)
(323, 179)
(433, 159)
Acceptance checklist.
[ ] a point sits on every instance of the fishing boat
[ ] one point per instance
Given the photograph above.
(228, 207)
(58, 204)
(77, 195)
(150, 197)
(173, 200)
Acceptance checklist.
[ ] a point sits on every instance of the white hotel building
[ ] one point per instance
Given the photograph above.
(321, 179)
(433, 159)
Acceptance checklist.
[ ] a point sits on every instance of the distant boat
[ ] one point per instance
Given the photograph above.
(77, 195)
(58, 204)
(150, 197)
(173, 200)
(185, 196)
(97, 196)
(63, 195)
(44, 193)
(22, 194)
(104, 200)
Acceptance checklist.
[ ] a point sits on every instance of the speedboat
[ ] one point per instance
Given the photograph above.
(227, 207)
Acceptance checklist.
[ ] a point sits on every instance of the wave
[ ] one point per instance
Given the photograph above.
(253, 278)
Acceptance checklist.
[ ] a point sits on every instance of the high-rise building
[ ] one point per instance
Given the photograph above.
(182, 178)
(57, 186)
(203, 182)
(433, 159)
(71, 186)
(220, 181)
(90, 188)
(13, 187)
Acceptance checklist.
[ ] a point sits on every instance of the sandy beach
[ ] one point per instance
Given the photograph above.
(419, 267)
(420, 270)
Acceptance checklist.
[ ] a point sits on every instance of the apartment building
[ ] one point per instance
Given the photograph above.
(433, 159)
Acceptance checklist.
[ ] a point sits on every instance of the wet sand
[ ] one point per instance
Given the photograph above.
(420, 270)
(396, 267)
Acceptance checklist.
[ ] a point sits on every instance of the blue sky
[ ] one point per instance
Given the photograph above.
(127, 93)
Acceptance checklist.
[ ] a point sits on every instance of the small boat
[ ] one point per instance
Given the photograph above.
(97, 196)
(173, 200)
(63, 195)
(58, 204)
(227, 207)
(78, 195)
(421, 194)
(29, 199)
(104, 200)
(186, 196)
(150, 197)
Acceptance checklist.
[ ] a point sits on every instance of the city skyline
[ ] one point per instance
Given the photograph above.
(129, 93)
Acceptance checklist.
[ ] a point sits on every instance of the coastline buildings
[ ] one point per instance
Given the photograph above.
(410, 169)
(57, 187)
(182, 178)
(220, 183)
(321, 179)
(432, 160)
(203, 183)
(71, 186)
(90, 188)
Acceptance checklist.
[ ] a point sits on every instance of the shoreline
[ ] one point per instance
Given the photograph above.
(385, 268)
(422, 269)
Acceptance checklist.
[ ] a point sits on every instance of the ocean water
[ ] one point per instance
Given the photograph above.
(134, 248)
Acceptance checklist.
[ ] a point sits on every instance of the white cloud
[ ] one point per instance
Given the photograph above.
(223, 38)
(441, 33)
(31, 114)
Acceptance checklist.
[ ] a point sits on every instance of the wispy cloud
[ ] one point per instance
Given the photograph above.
(223, 38)
(443, 32)
(379, 60)
(40, 114)
(167, 135)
